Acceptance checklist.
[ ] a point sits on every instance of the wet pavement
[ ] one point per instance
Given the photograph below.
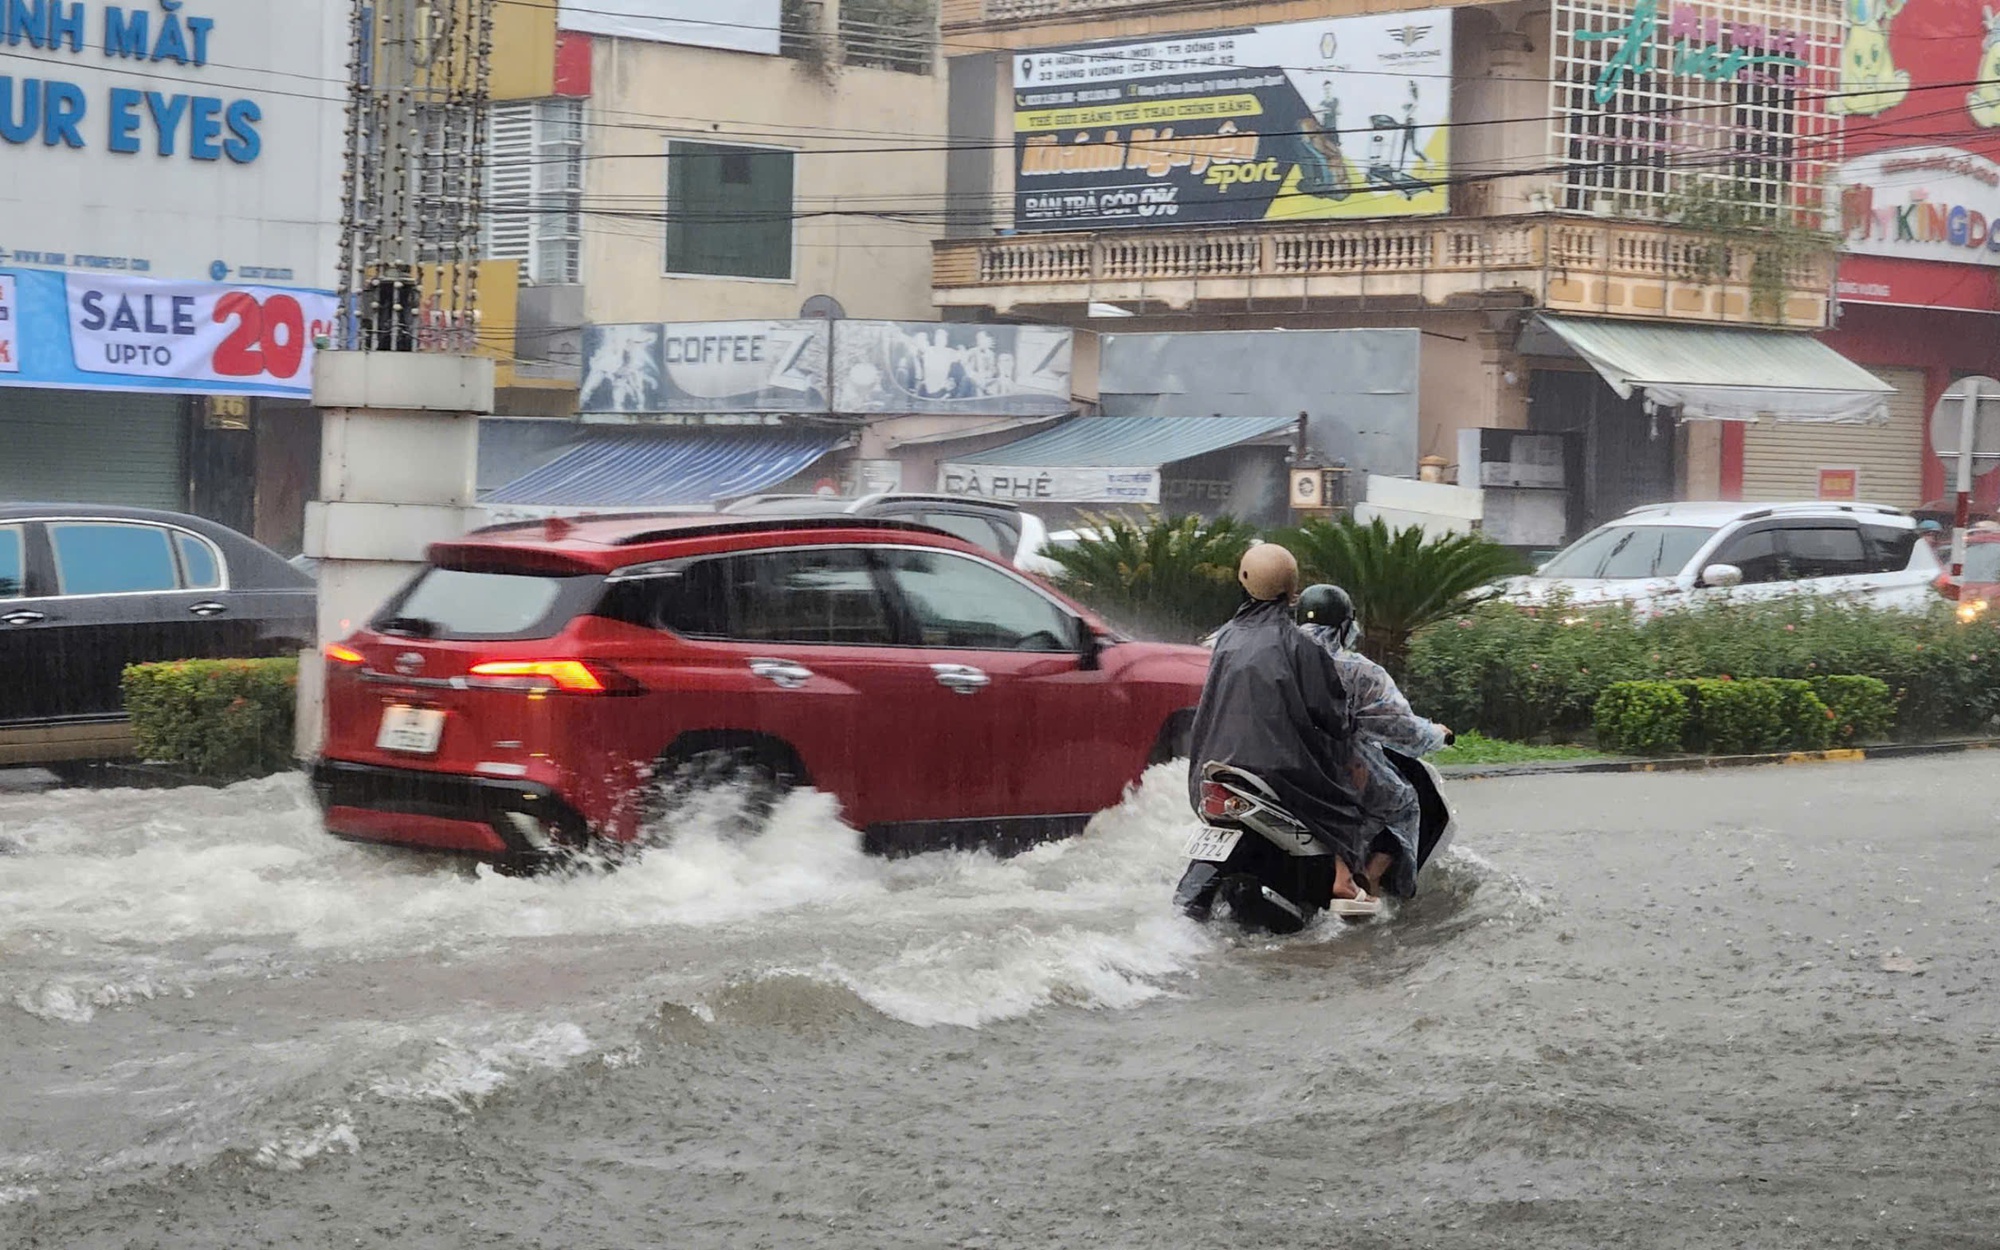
(1754, 1007)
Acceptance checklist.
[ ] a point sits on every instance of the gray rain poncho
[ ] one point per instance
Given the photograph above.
(1273, 706)
(1382, 717)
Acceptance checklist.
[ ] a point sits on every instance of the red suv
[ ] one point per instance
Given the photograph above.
(523, 693)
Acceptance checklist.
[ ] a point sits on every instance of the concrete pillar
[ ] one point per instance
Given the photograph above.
(399, 460)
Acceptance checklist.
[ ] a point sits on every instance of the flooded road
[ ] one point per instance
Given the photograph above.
(1758, 1007)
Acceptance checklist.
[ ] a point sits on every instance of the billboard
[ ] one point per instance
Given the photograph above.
(1918, 204)
(906, 367)
(1335, 118)
(118, 332)
(705, 366)
(198, 142)
(819, 366)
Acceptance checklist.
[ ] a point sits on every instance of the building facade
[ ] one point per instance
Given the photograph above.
(1601, 216)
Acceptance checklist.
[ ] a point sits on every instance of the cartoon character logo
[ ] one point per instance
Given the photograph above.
(1983, 101)
(1870, 83)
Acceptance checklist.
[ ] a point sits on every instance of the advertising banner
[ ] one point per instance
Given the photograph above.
(705, 366)
(1920, 219)
(75, 331)
(923, 367)
(197, 141)
(10, 354)
(1035, 484)
(1335, 118)
(739, 26)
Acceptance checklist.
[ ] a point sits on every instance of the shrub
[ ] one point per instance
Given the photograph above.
(1173, 578)
(220, 720)
(1864, 708)
(1400, 580)
(1642, 717)
(1519, 673)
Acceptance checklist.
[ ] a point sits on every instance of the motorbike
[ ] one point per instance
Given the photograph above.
(1262, 865)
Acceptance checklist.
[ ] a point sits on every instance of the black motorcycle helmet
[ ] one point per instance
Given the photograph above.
(1329, 605)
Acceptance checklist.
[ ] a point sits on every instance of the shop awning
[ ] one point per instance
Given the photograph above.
(1716, 373)
(666, 468)
(1098, 459)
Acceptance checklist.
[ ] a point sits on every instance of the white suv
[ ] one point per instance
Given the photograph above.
(1672, 555)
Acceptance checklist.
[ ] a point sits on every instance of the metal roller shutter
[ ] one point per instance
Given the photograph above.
(93, 447)
(1782, 462)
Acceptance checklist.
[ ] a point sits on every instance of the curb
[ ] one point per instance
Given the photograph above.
(1702, 763)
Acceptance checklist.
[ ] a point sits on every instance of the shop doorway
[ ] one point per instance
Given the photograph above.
(1621, 456)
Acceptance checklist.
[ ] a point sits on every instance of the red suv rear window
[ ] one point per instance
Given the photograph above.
(463, 604)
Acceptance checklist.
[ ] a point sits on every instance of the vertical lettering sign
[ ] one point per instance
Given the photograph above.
(10, 341)
(1336, 118)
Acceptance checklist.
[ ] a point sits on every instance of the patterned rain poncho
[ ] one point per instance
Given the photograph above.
(1382, 718)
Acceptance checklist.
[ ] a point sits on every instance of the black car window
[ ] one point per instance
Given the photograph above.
(200, 567)
(1826, 551)
(976, 530)
(1889, 547)
(1757, 553)
(109, 558)
(823, 595)
(964, 603)
(13, 563)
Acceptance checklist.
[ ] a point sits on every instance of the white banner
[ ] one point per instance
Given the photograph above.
(1035, 484)
(10, 314)
(250, 336)
(739, 26)
(1934, 203)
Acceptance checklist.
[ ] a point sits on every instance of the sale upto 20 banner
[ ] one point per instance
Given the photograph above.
(1341, 117)
(122, 332)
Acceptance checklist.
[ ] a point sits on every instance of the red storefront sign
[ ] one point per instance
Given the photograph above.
(1919, 185)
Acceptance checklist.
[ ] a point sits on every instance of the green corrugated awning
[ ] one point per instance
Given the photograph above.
(1097, 459)
(1718, 373)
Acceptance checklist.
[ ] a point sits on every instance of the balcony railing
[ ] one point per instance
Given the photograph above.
(1564, 264)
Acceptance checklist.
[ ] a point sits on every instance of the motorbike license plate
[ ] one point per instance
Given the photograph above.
(413, 730)
(1213, 845)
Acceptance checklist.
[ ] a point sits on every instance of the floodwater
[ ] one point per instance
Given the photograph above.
(1745, 1008)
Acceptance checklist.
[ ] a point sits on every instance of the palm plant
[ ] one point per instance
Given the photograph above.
(1400, 580)
(1172, 578)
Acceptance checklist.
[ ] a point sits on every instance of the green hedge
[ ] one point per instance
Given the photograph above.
(220, 720)
(1512, 673)
(1729, 717)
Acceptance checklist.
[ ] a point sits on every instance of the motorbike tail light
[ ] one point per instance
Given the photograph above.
(1218, 800)
(545, 676)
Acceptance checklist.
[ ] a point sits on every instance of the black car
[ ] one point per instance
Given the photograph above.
(86, 590)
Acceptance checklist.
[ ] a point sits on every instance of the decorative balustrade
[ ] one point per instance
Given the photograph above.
(1573, 264)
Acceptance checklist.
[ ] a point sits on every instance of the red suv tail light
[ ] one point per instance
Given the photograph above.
(543, 676)
(337, 654)
(1217, 801)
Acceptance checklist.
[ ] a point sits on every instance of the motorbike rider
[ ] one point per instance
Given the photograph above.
(1274, 706)
(1382, 718)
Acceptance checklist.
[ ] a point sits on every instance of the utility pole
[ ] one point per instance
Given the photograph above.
(400, 388)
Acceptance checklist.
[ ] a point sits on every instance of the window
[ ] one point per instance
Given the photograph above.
(1630, 551)
(1829, 551)
(1889, 547)
(13, 564)
(964, 604)
(1756, 552)
(729, 210)
(455, 603)
(200, 567)
(898, 35)
(823, 596)
(976, 530)
(106, 558)
(534, 189)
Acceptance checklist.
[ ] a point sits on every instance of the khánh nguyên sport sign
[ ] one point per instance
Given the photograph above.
(116, 332)
(1334, 118)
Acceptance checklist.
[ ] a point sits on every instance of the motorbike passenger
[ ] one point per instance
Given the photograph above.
(1382, 717)
(1274, 705)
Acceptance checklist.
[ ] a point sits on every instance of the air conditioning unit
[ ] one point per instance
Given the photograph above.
(1318, 490)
